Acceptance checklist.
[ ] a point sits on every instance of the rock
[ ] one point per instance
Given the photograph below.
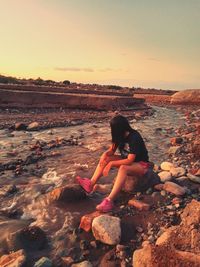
(33, 126)
(20, 126)
(67, 261)
(86, 220)
(82, 264)
(165, 237)
(193, 178)
(166, 166)
(165, 176)
(174, 150)
(191, 214)
(139, 204)
(14, 259)
(174, 188)
(68, 193)
(107, 229)
(186, 97)
(141, 184)
(8, 190)
(103, 188)
(143, 257)
(43, 262)
(109, 259)
(177, 172)
(176, 140)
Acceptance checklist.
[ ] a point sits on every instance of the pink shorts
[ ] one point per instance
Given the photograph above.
(145, 165)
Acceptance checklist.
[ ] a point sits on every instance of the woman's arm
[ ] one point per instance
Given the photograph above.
(118, 163)
(112, 149)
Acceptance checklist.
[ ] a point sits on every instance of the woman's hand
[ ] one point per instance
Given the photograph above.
(107, 169)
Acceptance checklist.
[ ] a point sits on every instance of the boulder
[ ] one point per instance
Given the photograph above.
(107, 229)
(33, 126)
(174, 188)
(143, 257)
(191, 214)
(165, 176)
(166, 166)
(14, 259)
(133, 183)
(43, 262)
(186, 97)
(177, 172)
(68, 193)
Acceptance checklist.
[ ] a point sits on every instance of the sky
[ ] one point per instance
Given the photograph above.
(141, 43)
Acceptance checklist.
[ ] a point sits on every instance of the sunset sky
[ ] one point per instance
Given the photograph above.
(148, 43)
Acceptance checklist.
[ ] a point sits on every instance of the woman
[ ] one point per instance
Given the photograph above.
(133, 160)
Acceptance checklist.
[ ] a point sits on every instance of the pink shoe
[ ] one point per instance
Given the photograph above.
(105, 206)
(85, 183)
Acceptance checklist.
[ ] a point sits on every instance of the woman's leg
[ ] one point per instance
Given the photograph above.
(124, 170)
(100, 167)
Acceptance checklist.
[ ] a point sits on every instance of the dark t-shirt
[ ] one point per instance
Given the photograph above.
(134, 144)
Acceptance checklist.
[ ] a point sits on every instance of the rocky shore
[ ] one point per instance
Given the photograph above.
(47, 220)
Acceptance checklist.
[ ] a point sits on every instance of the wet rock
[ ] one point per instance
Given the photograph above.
(165, 176)
(68, 193)
(174, 188)
(14, 259)
(43, 262)
(177, 172)
(33, 126)
(20, 126)
(139, 204)
(82, 264)
(193, 178)
(166, 166)
(86, 220)
(29, 238)
(107, 229)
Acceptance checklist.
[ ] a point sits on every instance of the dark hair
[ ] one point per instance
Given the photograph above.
(119, 125)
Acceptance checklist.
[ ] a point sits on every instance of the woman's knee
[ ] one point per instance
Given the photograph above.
(123, 168)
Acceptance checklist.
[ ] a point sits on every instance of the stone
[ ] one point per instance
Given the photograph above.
(107, 229)
(43, 262)
(165, 176)
(191, 214)
(142, 206)
(143, 257)
(174, 150)
(68, 193)
(20, 126)
(166, 236)
(14, 259)
(174, 188)
(159, 187)
(177, 172)
(103, 188)
(193, 178)
(186, 97)
(33, 126)
(82, 264)
(166, 166)
(109, 259)
(86, 220)
(67, 261)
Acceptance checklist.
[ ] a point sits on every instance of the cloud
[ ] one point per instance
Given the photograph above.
(109, 69)
(74, 69)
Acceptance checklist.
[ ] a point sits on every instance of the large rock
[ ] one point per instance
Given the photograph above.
(149, 179)
(166, 166)
(186, 97)
(178, 246)
(107, 229)
(177, 172)
(174, 188)
(87, 219)
(14, 259)
(68, 193)
(165, 176)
